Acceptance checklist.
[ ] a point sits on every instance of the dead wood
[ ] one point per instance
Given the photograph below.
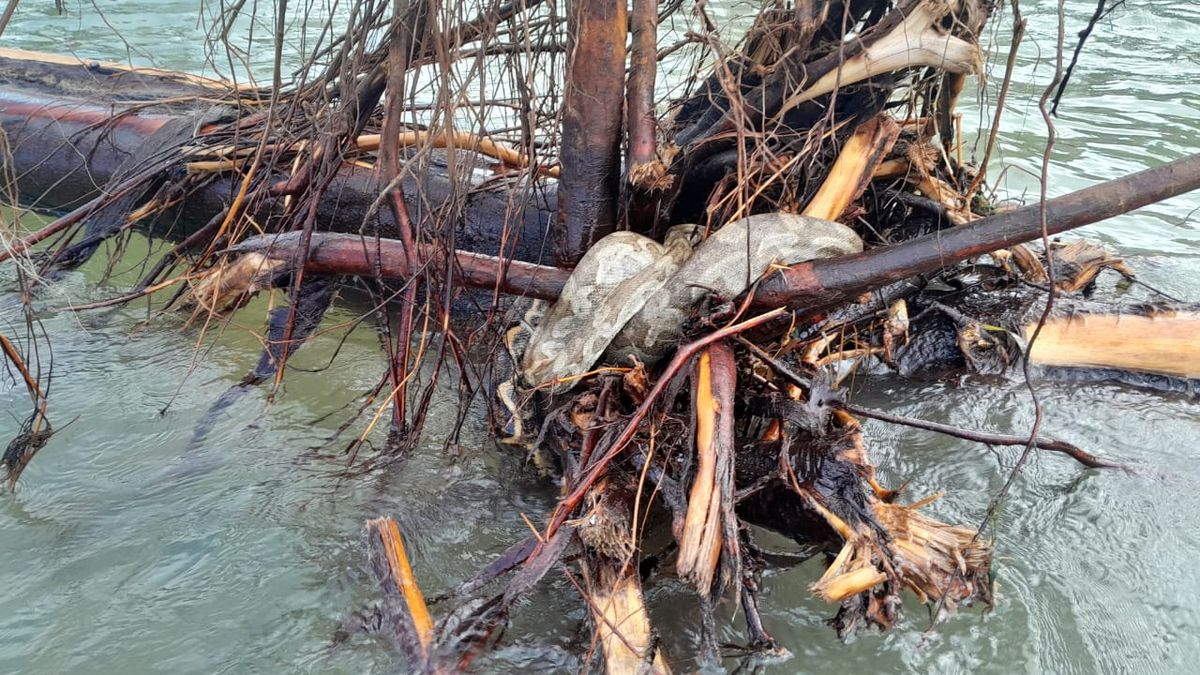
(815, 284)
(820, 284)
(622, 625)
(705, 537)
(404, 612)
(833, 109)
(1160, 342)
(592, 113)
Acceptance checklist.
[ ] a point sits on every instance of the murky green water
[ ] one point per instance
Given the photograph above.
(125, 551)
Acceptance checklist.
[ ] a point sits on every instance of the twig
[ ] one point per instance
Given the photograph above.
(1083, 457)
(1097, 15)
(1018, 32)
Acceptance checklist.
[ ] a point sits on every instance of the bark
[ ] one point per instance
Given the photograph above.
(351, 254)
(643, 146)
(819, 284)
(64, 151)
(591, 127)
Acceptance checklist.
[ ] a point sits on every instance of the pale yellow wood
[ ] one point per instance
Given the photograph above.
(1165, 343)
(700, 543)
(622, 624)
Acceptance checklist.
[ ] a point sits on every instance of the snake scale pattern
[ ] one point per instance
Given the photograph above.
(630, 295)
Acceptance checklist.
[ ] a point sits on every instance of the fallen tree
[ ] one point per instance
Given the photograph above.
(838, 111)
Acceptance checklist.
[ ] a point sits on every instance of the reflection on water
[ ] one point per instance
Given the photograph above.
(124, 551)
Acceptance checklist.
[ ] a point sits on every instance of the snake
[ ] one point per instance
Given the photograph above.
(629, 295)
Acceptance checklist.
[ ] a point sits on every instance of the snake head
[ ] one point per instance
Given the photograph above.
(689, 234)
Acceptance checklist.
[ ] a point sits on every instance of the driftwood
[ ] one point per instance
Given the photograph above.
(591, 126)
(840, 110)
(824, 283)
(64, 151)
(811, 285)
(48, 137)
(404, 614)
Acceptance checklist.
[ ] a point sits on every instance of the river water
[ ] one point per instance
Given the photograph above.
(124, 550)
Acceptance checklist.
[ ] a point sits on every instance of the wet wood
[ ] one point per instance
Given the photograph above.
(701, 541)
(395, 574)
(819, 284)
(593, 108)
(1162, 343)
(620, 619)
(64, 154)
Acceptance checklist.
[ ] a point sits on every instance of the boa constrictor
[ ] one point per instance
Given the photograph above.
(629, 295)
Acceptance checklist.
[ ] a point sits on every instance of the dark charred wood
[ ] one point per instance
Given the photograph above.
(899, 215)
(777, 507)
(806, 36)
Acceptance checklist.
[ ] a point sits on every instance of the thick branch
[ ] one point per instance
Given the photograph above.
(810, 285)
(818, 284)
(351, 254)
(591, 127)
(640, 97)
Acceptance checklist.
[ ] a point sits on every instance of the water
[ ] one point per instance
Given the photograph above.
(124, 551)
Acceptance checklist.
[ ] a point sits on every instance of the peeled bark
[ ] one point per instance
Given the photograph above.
(1162, 343)
(818, 284)
(64, 151)
(622, 625)
(404, 611)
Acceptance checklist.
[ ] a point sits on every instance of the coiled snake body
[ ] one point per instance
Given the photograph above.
(629, 295)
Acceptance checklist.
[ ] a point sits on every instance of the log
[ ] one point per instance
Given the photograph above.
(57, 74)
(593, 107)
(68, 137)
(65, 150)
(1162, 343)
